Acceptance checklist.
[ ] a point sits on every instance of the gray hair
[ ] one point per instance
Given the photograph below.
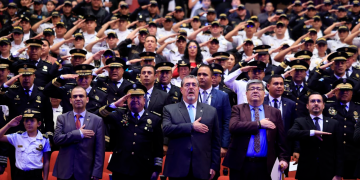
(254, 81)
(189, 77)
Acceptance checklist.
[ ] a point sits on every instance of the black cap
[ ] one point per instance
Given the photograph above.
(338, 56)
(178, 8)
(254, 18)
(299, 64)
(13, 5)
(26, 68)
(141, 18)
(78, 52)
(144, 30)
(67, 3)
(147, 56)
(343, 84)
(124, 5)
(262, 49)
(280, 23)
(84, 69)
(168, 18)
(221, 55)
(327, 2)
(181, 37)
(304, 54)
(279, 12)
(211, 10)
(250, 22)
(311, 7)
(182, 32)
(342, 8)
(182, 63)
(32, 113)
(38, 2)
(18, 29)
(112, 34)
(214, 39)
(248, 41)
(135, 89)
(349, 51)
(24, 18)
(90, 18)
(356, 3)
(317, 17)
(241, 6)
(79, 35)
(152, 23)
(49, 31)
(321, 41)
(196, 18)
(62, 24)
(154, 3)
(123, 17)
(164, 66)
(284, 16)
(4, 63)
(223, 16)
(297, 3)
(307, 39)
(215, 23)
(34, 42)
(312, 30)
(217, 68)
(258, 64)
(116, 62)
(343, 27)
(55, 13)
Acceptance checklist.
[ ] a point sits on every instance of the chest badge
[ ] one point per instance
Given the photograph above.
(125, 120)
(45, 68)
(38, 99)
(40, 148)
(332, 111)
(97, 98)
(17, 98)
(356, 115)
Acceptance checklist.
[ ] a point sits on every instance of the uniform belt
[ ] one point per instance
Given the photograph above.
(256, 159)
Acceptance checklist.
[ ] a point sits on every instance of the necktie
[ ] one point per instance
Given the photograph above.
(257, 136)
(276, 104)
(205, 97)
(136, 116)
(27, 92)
(298, 87)
(347, 73)
(344, 108)
(164, 88)
(146, 100)
(78, 123)
(317, 126)
(191, 113)
(115, 84)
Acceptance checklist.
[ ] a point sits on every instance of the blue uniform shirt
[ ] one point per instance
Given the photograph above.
(263, 140)
(29, 150)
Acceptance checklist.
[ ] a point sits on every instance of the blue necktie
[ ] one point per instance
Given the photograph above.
(146, 100)
(191, 113)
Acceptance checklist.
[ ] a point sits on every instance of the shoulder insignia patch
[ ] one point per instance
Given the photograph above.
(74, 84)
(41, 88)
(101, 76)
(20, 132)
(104, 90)
(130, 81)
(155, 113)
(330, 101)
(48, 61)
(14, 86)
(45, 136)
(357, 103)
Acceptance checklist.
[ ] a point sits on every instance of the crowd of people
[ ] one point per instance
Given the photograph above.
(250, 82)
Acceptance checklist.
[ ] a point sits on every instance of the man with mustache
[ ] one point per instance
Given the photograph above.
(346, 112)
(193, 131)
(258, 137)
(321, 143)
(138, 152)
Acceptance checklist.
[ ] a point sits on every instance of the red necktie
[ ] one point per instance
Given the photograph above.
(78, 123)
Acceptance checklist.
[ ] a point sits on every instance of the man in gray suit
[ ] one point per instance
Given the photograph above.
(194, 139)
(81, 138)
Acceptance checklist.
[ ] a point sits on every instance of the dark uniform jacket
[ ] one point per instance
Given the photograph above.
(69, 20)
(174, 93)
(158, 100)
(126, 49)
(300, 100)
(138, 150)
(113, 92)
(232, 95)
(357, 141)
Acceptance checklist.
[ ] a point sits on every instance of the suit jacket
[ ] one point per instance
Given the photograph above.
(318, 159)
(113, 92)
(241, 129)
(205, 155)
(174, 93)
(301, 100)
(158, 100)
(357, 141)
(81, 157)
(220, 101)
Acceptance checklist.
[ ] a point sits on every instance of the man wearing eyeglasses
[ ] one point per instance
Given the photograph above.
(258, 137)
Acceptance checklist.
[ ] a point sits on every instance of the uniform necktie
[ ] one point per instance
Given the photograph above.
(344, 108)
(347, 73)
(317, 126)
(27, 92)
(276, 104)
(115, 84)
(257, 136)
(205, 97)
(164, 88)
(78, 123)
(146, 100)
(298, 87)
(136, 116)
(191, 113)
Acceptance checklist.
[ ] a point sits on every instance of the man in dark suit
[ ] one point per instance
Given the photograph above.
(219, 85)
(155, 99)
(165, 70)
(138, 152)
(320, 143)
(357, 141)
(194, 145)
(258, 137)
(80, 135)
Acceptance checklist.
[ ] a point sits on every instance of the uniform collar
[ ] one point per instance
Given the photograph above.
(38, 135)
(140, 113)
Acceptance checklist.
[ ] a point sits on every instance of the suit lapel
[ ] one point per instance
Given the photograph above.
(72, 120)
(325, 124)
(247, 112)
(184, 112)
(112, 86)
(87, 119)
(311, 122)
(33, 93)
(199, 110)
(153, 98)
(266, 100)
(213, 95)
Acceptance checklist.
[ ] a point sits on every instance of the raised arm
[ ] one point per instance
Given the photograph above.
(70, 32)
(193, 35)
(56, 47)
(350, 38)
(330, 28)
(176, 27)
(37, 25)
(100, 33)
(261, 32)
(235, 31)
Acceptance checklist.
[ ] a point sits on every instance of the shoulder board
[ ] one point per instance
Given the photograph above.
(357, 103)
(244, 79)
(20, 132)
(45, 136)
(14, 86)
(48, 62)
(101, 76)
(41, 88)
(226, 87)
(287, 80)
(330, 101)
(103, 90)
(122, 108)
(356, 67)
(172, 51)
(74, 84)
(130, 81)
(155, 113)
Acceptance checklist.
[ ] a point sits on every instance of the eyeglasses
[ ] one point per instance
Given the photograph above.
(192, 47)
(187, 85)
(257, 89)
(108, 56)
(249, 26)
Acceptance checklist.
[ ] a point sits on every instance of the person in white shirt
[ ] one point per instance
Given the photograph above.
(183, 68)
(25, 24)
(122, 30)
(194, 22)
(321, 46)
(60, 31)
(49, 34)
(17, 43)
(43, 24)
(175, 54)
(5, 46)
(57, 109)
(250, 30)
(167, 27)
(343, 32)
(215, 32)
(108, 42)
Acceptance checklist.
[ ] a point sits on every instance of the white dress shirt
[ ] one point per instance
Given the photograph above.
(320, 121)
(201, 96)
(194, 108)
(140, 114)
(168, 87)
(56, 112)
(271, 101)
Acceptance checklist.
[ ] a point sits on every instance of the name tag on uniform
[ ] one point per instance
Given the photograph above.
(20, 146)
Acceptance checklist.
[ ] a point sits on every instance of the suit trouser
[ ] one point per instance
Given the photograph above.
(120, 176)
(190, 175)
(255, 169)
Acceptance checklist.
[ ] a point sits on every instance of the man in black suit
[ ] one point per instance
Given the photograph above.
(357, 141)
(219, 85)
(155, 99)
(194, 140)
(165, 74)
(320, 143)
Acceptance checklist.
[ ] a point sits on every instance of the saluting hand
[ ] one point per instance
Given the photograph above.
(12, 80)
(15, 122)
(121, 101)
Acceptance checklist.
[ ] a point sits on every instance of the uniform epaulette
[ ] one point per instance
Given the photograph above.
(74, 84)
(357, 103)
(45, 136)
(122, 108)
(172, 51)
(226, 87)
(102, 89)
(130, 81)
(244, 79)
(326, 76)
(48, 61)
(101, 76)
(20, 132)
(356, 67)
(287, 80)
(330, 101)
(14, 86)
(41, 88)
(198, 66)
(155, 113)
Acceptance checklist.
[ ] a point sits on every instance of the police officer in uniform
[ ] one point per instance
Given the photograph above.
(296, 88)
(148, 58)
(115, 83)
(218, 83)
(68, 19)
(138, 152)
(78, 58)
(346, 112)
(183, 69)
(37, 14)
(130, 50)
(164, 84)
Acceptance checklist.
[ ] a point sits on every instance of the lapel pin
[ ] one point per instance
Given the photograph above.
(87, 119)
(146, 113)
(327, 121)
(200, 110)
(284, 104)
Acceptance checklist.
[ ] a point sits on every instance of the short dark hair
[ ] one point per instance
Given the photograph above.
(79, 87)
(149, 35)
(315, 93)
(46, 41)
(148, 65)
(211, 69)
(274, 76)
